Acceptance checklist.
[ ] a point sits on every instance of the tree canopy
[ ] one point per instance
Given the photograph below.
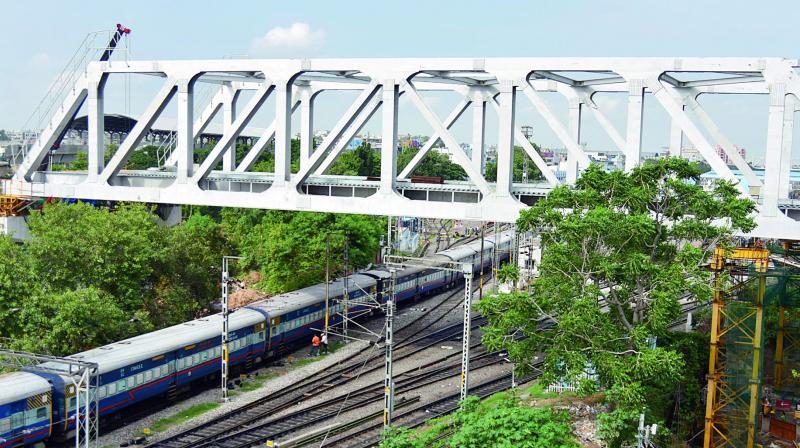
(619, 252)
(110, 273)
(518, 166)
(289, 247)
(434, 163)
(502, 421)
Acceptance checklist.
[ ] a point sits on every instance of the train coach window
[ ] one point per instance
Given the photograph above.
(5, 425)
(148, 376)
(41, 413)
(112, 388)
(17, 420)
(181, 364)
(196, 359)
(121, 385)
(72, 403)
(101, 392)
(139, 379)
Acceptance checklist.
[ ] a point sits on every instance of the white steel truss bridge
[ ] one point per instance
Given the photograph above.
(499, 84)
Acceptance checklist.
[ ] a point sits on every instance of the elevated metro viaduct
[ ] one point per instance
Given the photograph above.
(495, 83)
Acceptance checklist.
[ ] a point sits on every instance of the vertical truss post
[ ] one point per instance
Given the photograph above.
(95, 116)
(784, 185)
(230, 95)
(575, 117)
(391, 95)
(717, 307)
(467, 329)
(283, 130)
(634, 130)
(478, 133)
(755, 376)
(505, 134)
(675, 138)
(306, 124)
(388, 381)
(184, 147)
(774, 149)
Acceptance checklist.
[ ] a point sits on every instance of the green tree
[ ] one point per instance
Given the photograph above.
(507, 424)
(518, 166)
(143, 158)
(289, 247)
(63, 323)
(434, 163)
(620, 250)
(79, 246)
(361, 161)
(16, 285)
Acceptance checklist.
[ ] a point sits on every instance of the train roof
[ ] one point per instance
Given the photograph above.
(295, 300)
(138, 348)
(21, 385)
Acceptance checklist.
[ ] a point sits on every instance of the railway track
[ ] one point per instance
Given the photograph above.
(323, 381)
(282, 426)
(370, 434)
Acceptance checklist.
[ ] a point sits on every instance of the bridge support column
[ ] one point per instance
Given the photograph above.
(634, 130)
(774, 149)
(784, 185)
(505, 133)
(283, 129)
(575, 112)
(675, 138)
(96, 148)
(306, 124)
(184, 147)
(478, 133)
(230, 96)
(391, 94)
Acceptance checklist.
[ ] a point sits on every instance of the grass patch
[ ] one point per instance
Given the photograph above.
(256, 382)
(537, 390)
(183, 416)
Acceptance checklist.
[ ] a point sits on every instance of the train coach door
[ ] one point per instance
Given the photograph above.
(275, 333)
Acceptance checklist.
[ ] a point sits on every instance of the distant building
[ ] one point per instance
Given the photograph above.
(691, 154)
(724, 156)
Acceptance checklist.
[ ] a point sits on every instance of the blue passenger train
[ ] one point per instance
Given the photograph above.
(35, 407)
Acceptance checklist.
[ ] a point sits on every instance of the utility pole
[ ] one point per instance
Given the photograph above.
(327, 279)
(467, 330)
(225, 324)
(346, 293)
(480, 282)
(388, 381)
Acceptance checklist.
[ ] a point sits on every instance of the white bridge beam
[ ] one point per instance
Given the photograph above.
(674, 83)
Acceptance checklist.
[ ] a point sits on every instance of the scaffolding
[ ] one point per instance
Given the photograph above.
(751, 296)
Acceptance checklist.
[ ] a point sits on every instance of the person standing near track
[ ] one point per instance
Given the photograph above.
(315, 345)
(324, 342)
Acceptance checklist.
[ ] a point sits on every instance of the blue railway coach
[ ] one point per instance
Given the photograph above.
(163, 363)
(25, 409)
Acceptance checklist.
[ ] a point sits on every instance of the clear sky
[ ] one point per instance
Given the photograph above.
(38, 37)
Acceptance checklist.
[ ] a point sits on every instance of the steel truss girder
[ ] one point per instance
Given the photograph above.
(492, 80)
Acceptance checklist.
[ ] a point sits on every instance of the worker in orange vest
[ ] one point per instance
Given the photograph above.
(315, 346)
